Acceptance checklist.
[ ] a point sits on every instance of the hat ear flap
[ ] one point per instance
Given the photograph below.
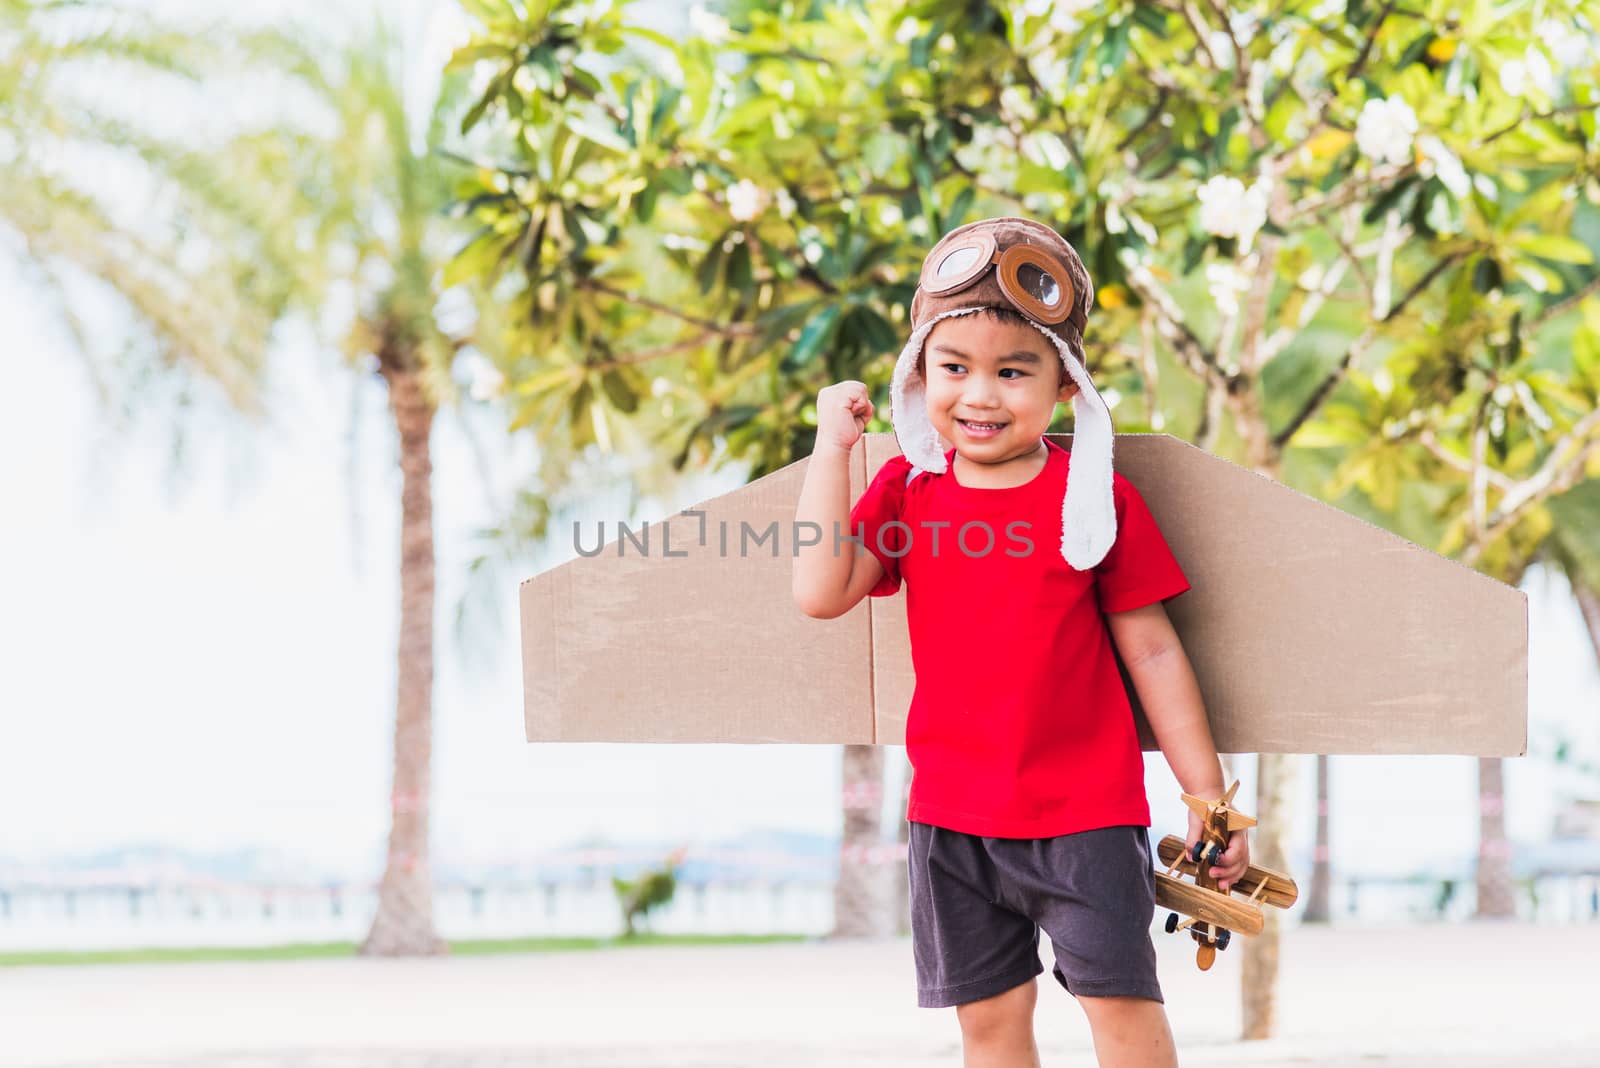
(1088, 510)
(908, 402)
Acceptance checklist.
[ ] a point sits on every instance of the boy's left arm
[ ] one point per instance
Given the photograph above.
(1154, 656)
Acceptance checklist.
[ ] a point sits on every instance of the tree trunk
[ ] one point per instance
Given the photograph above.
(858, 893)
(1496, 895)
(1589, 604)
(1259, 968)
(403, 925)
(902, 883)
(1319, 907)
(1275, 772)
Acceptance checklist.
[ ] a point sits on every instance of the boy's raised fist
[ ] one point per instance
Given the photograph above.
(843, 410)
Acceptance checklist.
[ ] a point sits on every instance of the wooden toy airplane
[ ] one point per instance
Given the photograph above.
(1214, 914)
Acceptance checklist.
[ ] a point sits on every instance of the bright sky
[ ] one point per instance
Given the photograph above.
(211, 664)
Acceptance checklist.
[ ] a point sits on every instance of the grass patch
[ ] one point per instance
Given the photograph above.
(320, 950)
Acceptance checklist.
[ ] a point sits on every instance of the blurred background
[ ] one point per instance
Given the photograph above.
(327, 321)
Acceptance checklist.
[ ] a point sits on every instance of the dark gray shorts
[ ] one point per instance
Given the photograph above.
(978, 904)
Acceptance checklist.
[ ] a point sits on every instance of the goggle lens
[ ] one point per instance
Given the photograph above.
(957, 262)
(1038, 284)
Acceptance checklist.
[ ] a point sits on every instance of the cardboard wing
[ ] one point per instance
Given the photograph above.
(1310, 631)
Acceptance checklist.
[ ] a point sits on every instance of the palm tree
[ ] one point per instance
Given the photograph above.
(255, 223)
(383, 199)
(203, 268)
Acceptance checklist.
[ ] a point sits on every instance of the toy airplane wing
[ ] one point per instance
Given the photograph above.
(1238, 821)
(1310, 631)
(1213, 916)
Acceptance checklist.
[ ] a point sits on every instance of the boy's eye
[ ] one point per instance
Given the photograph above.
(957, 367)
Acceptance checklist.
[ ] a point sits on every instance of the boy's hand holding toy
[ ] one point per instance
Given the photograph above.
(1235, 857)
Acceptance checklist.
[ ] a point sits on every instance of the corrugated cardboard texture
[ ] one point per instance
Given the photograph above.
(633, 645)
(1310, 631)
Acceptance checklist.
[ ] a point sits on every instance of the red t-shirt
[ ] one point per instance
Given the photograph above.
(1020, 726)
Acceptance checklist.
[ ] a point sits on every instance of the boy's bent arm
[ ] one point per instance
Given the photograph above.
(1167, 689)
(825, 583)
(1170, 694)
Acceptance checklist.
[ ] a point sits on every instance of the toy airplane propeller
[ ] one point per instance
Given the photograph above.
(1221, 816)
(1214, 914)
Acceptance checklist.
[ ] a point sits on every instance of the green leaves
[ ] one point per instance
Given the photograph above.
(1555, 247)
(766, 204)
(816, 334)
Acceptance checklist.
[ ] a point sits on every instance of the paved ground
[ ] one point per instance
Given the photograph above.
(1475, 997)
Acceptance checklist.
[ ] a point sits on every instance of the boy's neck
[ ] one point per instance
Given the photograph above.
(1000, 474)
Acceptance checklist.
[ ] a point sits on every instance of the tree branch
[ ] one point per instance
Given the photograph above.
(724, 329)
(1556, 474)
(1362, 343)
(1325, 387)
(646, 355)
(1157, 109)
(1527, 115)
(1344, 193)
(1460, 463)
(1560, 306)
(1191, 352)
(1201, 34)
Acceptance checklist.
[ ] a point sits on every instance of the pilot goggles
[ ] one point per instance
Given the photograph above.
(1031, 279)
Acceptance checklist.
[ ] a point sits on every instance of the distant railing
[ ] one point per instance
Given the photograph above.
(111, 915)
(1558, 897)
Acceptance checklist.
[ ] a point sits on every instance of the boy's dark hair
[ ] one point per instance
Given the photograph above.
(1004, 315)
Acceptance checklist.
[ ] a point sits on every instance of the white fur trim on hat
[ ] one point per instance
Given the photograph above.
(1088, 510)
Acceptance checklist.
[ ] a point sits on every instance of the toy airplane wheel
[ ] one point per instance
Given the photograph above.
(1224, 936)
(1172, 922)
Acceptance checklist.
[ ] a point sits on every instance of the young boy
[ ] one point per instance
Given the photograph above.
(1023, 563)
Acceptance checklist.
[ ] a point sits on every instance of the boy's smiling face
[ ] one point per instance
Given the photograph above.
(982, 369)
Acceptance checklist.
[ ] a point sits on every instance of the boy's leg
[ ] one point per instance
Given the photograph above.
(1093, 892)
(972, 951)
(997, 1032)
(1130, 1032)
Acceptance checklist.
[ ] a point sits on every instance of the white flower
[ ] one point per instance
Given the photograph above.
(1227, 283)
(1566, 43)
(1060, 14)
(907, 31)
(1532, 70)
(1384, 130)
(484, 379)
(591, 11)
(1514, 77)
(786, 204)
(1050, 71)
(1228, 209)
(1244, 25)
(709, 25)
(889, 214)
(1445, 164)
(746, 200)
(1015, 100)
